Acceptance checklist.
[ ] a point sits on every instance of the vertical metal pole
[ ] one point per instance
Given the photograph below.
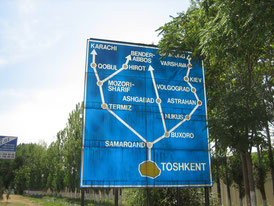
(148, 197)
(206, 196)
(121, 199)
(116, 197)
(178, 197)
(82, 197)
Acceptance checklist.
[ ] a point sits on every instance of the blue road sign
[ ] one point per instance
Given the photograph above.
(7, 147)
(144, 118)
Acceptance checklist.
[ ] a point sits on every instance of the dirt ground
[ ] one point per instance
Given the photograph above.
(17, 200)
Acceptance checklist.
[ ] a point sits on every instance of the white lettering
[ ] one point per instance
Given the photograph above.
(173, 64)
(104, 47)
(107, 66)
(181, 101)
(173, 88)
(183, 166)
(138, 99)
(128, 144)
(174, 116)
(182, 135)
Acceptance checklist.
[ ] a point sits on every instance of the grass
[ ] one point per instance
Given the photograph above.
(57, 201)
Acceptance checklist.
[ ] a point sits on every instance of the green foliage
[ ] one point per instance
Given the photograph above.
(236, 172)
(28, 167)
(234, 39)
(165, 196)
(22, 179)
(72, 148)
(64, 155)
(2, 188)
(37, 167)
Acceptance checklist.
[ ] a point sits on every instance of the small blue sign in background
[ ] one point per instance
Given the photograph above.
(7, 147)
(144, 118)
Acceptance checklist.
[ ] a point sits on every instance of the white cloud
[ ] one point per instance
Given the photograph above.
(27, 33)
(27, 6)
(42, 115)
(6, 93)
(2, 62)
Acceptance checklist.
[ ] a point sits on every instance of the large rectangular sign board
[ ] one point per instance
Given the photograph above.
(7, 147)
(144, 118)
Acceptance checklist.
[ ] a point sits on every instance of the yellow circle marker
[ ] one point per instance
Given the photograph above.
(187, 117)
(93, 65)
(149, 145)
(104, 106)
(167, 134)
(99, 83)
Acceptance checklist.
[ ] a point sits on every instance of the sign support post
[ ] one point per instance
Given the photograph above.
(178, 197)
(116, 196)
(82, 197)
(148, 197)
(206, 196)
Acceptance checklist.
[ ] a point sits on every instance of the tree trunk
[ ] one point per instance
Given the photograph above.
(227, 183)
(218, 185)
(251, 179)
(270, 155)
(263, 196)
(240, 196)
(260, 167)
(245, 176)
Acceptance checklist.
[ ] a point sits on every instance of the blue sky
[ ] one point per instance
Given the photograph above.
(42, 55)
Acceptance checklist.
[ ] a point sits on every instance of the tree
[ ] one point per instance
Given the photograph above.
(231, 37)
(54, 163)
(72, 148)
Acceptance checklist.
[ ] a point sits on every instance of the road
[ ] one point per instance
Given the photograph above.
(17, 200)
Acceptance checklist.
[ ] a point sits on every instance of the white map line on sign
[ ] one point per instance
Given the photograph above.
(194, 110)
(196, 96)
(176, 126)
(150, 68)
(124, 123)
(157, 140)
(102, 94)
(158, 100)
(93, 55)
(96, 73)
(125, 66)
